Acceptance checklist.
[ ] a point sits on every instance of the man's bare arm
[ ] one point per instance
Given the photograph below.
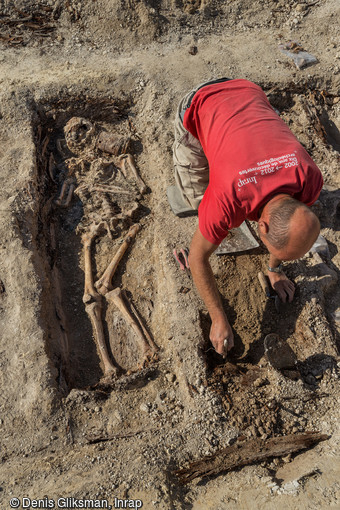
(200, 251)
(279, 281)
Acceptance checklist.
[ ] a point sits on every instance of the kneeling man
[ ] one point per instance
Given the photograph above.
(236, 159)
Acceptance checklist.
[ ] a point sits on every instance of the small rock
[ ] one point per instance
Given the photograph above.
(193, 50)
(253, 430)
(144, 408)
(320, 246)
(310, 379)
(271, 484)
(170, 377)
(292, 486)
(300, 7)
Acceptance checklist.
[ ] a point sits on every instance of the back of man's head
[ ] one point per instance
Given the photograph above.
(292, 228)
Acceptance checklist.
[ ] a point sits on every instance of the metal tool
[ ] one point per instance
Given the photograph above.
(225, 344)
(238, 239)
(265, 287)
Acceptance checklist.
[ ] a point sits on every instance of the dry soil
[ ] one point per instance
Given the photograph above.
(124, 65)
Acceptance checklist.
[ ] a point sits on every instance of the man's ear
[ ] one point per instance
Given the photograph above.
(263, 227)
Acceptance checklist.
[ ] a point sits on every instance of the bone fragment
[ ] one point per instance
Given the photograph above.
(132, 165)
(104, 285)
(69, 195)
(122, 164)
(61, 144)
(110, 189)
(73, 165)
(93, 302)
(108, 230)
(115, 296)
(51, 166)
(107, 208)
(62, 193)
(133, 209)
(60, 312)
(44, 145)
(59, 200)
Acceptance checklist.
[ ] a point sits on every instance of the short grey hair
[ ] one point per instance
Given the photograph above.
(279, 221)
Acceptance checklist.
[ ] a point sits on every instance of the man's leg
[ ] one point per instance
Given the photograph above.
(190, 164)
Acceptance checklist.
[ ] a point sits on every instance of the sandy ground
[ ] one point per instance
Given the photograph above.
(124, 65)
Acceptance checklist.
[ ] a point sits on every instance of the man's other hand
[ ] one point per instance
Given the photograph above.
(219, 332)
(282, 285)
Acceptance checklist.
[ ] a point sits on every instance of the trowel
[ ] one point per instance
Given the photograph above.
(279, 305)
(238, 239)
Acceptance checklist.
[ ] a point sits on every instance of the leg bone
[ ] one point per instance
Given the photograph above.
(103, 285)
(93, 302)
(90, 293)
(115, 296)
(94, 311)
(154, 348)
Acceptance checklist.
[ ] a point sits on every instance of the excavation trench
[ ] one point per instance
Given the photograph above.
(64, 218)
(312, 116)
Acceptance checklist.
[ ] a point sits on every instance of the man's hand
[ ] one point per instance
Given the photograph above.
(282, 285)
(200, 251)
(219, 332)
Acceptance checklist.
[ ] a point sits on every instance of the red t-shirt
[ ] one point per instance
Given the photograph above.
(252, 156)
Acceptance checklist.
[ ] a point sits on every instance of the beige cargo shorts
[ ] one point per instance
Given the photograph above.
(190, 164)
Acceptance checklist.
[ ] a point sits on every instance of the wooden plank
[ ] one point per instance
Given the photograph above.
(249, 452)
